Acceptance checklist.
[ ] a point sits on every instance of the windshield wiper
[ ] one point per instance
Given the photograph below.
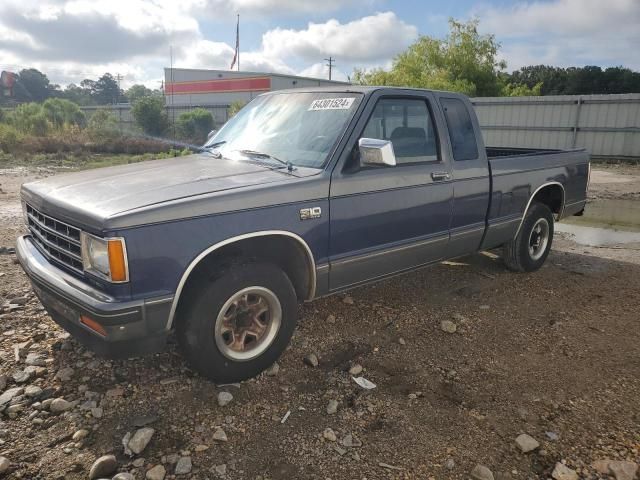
(255, 153)
(211, 148)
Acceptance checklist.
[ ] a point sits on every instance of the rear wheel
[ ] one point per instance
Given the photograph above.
(528, 251)
(238, 322)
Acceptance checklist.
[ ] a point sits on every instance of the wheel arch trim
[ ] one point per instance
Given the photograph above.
(264, 233)
(544, 185)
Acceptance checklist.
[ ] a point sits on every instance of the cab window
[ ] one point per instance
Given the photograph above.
(408, 124)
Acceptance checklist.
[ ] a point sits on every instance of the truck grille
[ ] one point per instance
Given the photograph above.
(57, 240)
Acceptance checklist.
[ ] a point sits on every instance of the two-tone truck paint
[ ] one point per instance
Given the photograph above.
(304, 193)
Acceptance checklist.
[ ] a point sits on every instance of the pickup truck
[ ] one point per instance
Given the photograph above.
(303, 194)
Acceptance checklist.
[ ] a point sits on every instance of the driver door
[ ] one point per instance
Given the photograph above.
(385, 220)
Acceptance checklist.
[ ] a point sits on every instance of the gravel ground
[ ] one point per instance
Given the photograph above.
(466, 358)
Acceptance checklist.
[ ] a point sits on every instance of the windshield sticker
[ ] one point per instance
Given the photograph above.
(332, 104)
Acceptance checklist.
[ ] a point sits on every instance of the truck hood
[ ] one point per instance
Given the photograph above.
(91, 196)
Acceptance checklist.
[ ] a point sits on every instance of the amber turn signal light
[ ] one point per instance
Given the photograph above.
(117, 262)
(93, 325)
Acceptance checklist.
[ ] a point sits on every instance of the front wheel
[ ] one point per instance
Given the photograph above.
(528, 251)
(236, 323)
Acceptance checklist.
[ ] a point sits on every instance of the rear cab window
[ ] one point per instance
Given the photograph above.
(461, 133)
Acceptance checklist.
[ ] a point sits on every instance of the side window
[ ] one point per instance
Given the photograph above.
(463, 138)
(408, 124)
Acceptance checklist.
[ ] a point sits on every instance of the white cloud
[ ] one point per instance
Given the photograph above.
(567, 32)
(320, 70)
(70, 40)
(367, 39)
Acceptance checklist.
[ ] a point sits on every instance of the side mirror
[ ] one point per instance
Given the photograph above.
(211, 134)
(376, 152)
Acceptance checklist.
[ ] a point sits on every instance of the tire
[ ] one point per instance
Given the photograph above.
(521, 253)
(215, 347)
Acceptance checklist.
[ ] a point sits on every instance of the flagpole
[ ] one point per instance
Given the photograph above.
(238, 40)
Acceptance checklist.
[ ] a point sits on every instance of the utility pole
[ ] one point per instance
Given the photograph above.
(330, 64)
(118, 78)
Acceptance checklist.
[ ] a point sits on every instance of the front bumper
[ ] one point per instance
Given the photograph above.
(132, 328)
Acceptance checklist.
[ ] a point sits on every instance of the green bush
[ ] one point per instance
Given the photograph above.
(103, 126)
(235, 107)
(62, 113)
(194, 126)
(30, 118)
(150, 115)
(10, 138)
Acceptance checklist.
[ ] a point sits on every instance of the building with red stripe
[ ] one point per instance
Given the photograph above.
(194, 87)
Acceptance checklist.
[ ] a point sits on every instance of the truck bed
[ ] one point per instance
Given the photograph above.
(497, 152)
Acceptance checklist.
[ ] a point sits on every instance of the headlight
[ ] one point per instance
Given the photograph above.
(106, 257)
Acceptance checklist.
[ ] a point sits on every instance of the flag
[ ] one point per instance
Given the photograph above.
(236, 54)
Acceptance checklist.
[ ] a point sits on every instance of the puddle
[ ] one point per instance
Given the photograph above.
(598, 237)
(605, 222)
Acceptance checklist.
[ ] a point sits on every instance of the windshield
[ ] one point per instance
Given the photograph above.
(296, 128)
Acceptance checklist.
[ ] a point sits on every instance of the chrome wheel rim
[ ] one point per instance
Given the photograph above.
(539, 239)
(248, 323)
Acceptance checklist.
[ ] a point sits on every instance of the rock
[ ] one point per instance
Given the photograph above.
(124, 476)
(9, 395)
(348, 300)
(32, 391)
(156, 473)
(219, 435)
(553, 436)
(201, 448)
(65, 374)
(96, 412)
(332, 407)
(526, 443)
(562, 472)
(273, 370)
(59, 405)
(220, 470)
(183, 466)
(623, 470)
(4, 465)
(402, 341)
(138, 462)
(331, 319)
(448, 326)
(114, 392)
(350, 441)
(103, 467)
(140, 440)
(330, 435)
(480, 472)
(355, 369)
(21, 376)
(450, 464)
(35, 360)
(80, 434)
(311, 360)
(601, 466)
(224, 399)
(3, 382)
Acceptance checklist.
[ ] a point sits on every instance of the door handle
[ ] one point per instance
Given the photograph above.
(439, 176)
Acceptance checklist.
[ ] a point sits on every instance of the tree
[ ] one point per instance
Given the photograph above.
(136, 92)
(32, 86)
(106, 90)
(103, 126)
(30, 118)
(464, 61)
(150, 115)
(77, 94)
(194, 126)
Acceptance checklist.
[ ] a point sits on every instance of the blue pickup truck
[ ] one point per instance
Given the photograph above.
(302, 194)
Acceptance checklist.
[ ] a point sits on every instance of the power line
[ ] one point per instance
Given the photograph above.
(330, 64)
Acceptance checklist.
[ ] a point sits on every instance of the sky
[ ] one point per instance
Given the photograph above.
(70, 40)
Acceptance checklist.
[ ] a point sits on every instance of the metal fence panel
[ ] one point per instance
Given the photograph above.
(606, 125)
